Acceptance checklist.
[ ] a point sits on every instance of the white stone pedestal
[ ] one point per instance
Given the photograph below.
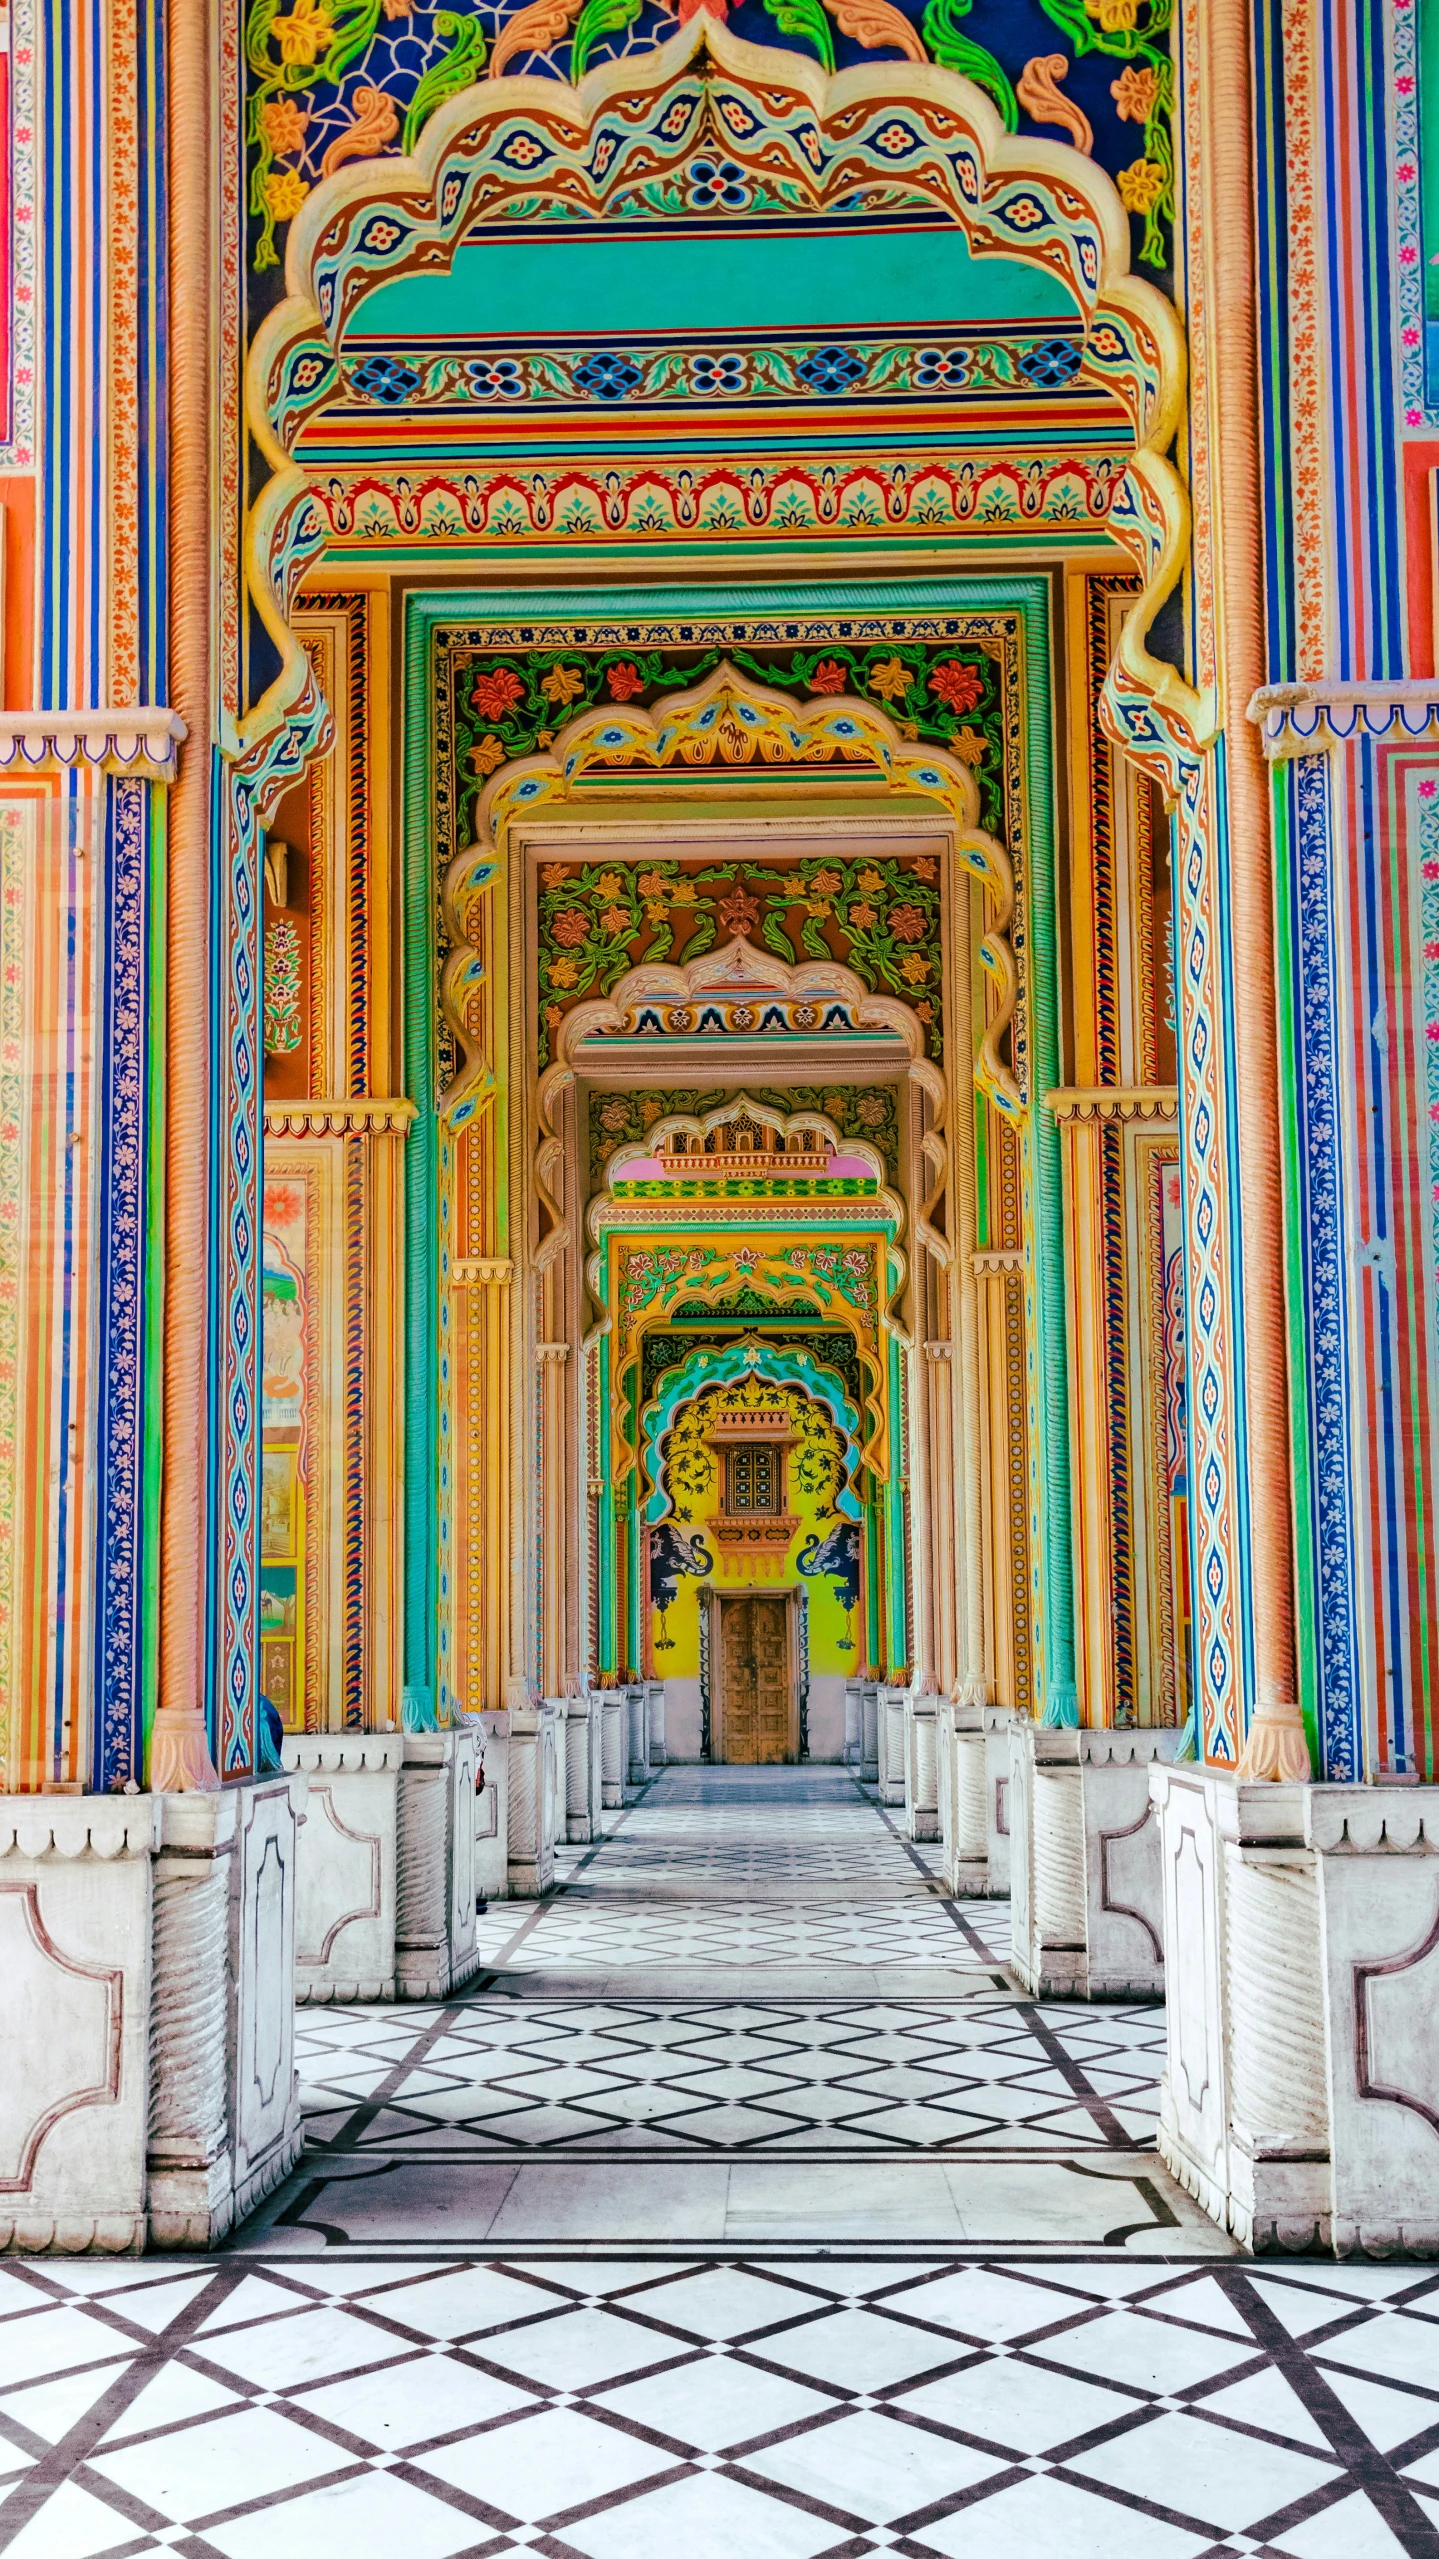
(345, 1916)
(869, 1733)
(891, 1744)
(921, 1766)
(583, 1736)
(435, 1863)
(147, 1948)
(637, 1727)
(853, 1723)
(655, 1714)
(1301, 2102)
(963, 1798)
(492, 1809)
(998, 1723)
(1084, 1870)
(614, 1741)
(535, 1734)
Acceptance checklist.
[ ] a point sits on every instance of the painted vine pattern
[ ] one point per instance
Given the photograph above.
(334, 81)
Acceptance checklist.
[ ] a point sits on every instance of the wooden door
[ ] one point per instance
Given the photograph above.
(754, 1655)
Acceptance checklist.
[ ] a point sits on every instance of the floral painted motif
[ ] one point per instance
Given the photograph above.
(284, 1024)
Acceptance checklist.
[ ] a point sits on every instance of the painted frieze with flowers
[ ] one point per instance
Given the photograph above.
(868, 1111)
(331, 82)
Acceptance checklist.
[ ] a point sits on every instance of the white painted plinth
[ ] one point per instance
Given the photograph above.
(583, 1735)
(963, 1798)
(1301, 2102)
(869, 1733)
(853, 1723)
(492, 1808)
(892, 1703)
(614, 1740)
(921, 1766)
(655, 1711)
(435, 1889)
(998, 1722)
(637, 1727)
(147, 1950)
(1084, 1862)
(345, 1917)
(535, 1796)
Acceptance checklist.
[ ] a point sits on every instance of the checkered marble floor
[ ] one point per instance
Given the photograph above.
(620, 2410)
(625, 2257)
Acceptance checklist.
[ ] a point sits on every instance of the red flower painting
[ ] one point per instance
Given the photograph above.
(497, 692)
(959, 686)
(829, 677)
(624, 681)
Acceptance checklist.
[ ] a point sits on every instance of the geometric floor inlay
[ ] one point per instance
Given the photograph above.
(741, 2206)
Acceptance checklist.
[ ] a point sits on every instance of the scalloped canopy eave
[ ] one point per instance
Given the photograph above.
(624, 144)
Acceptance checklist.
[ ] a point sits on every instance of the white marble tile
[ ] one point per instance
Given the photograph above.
(307, 2345)
(714, 2404)
(1353, 2529)
(545, 2465)
(224, 2461)
(71, 2525)
(705, 2517)
(1049, 2516)
(862, 2349)
(371, 2517)
(1146, 2353)
(1016, 2408)
(41, 2342)
(574, 2349)
(414, 2403)
(873, 2467)
(1221, 2480)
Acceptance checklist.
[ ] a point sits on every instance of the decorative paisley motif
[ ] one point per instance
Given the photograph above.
(534, 31)
(1046, 104)
(873, 22)
(375, 122)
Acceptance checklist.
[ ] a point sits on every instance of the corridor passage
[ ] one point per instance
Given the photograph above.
(739, 2209)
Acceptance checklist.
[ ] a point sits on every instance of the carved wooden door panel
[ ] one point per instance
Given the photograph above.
(739, 1736)
(754, 1656)
(769, 1639)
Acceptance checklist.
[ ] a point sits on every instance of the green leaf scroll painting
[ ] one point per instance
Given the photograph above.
(333, 81)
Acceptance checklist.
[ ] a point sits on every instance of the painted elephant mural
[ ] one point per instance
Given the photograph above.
(836, 1555)
(672, 1556)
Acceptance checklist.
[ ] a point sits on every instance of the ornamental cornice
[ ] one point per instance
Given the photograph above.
(997, 1265)
(369, 1116)
(481, 1274)
(139, 741)
(1307, 719)
(1113, 1102)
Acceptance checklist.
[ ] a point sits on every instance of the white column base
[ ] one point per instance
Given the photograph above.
(1301, 2102)
(582, 1732)
(637, 1727)
(655, 1712)
(890, 1734)
(535, 1738)
(345, 1917)
(492, 1809)
(998, 1722)
(963, 1799)
(614, 1737)
(435, 1890)
(1084, 1872)
(921, 1766)
(147, 1949)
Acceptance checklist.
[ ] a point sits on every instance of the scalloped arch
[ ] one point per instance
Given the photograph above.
(706, 1369)
(618, 146)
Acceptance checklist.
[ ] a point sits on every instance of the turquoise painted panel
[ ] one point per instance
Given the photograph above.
(615, 286)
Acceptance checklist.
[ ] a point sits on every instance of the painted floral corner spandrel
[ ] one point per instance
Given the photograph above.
(333, 81)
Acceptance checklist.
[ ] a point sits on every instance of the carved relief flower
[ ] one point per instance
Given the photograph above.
(1114, 16)
(829, 677)
(285, 192)
(861, 919)
(1140, 186)
(871, 882)
(571, 927)
(306, 33)
(908, 924)
(563, 972)
(488, 753)
(615, 920)
(609, 885)
(915, 968)
(624, 681)
(283, 125)
(1134, 93)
